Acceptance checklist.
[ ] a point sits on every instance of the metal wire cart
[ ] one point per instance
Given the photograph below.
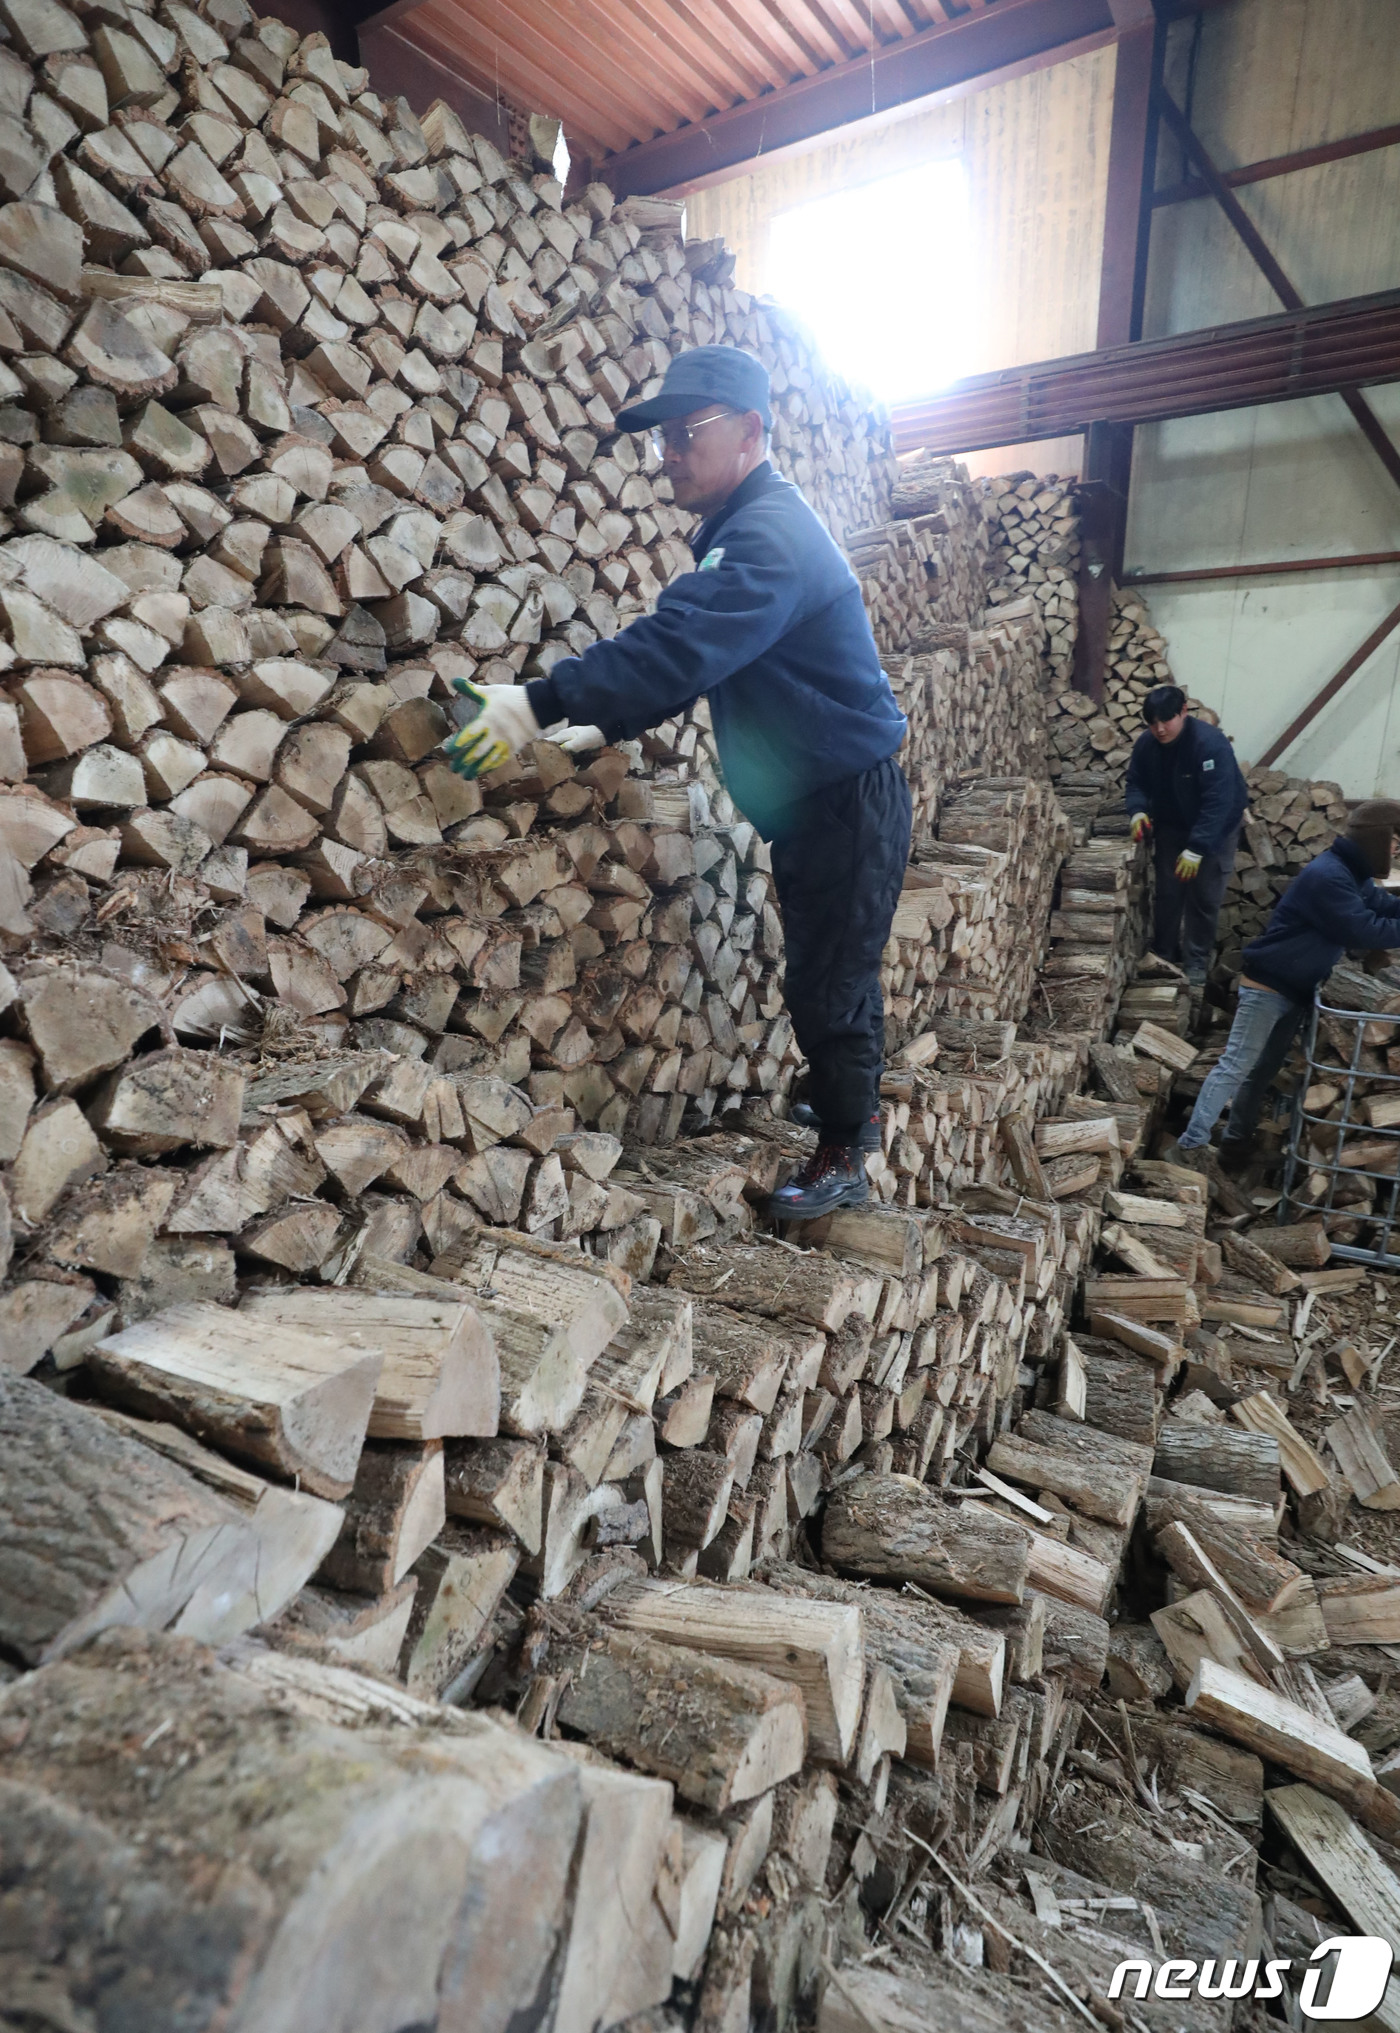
(1346, 1162)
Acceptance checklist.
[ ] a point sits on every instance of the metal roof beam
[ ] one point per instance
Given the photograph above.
(1321, 350)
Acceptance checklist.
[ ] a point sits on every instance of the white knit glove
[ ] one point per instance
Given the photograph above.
(575, 739)
(503, 725)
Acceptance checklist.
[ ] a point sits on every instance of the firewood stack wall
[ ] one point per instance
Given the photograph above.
(311, 415)
(369, 1288)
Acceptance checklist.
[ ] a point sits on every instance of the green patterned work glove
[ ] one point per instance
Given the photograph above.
(502, 724)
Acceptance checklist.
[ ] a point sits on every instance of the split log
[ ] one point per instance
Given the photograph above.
(1215, 1458)
(1364, 1462)
(440, 1376)
(497, 1482)
(1253, 1570)
(1361, 1609)
(811, 1288)
(395, 1509)
(460, 1580)
(1280, 1732)
(1200, 1627)
(891, 1527)
(1351, 1872)
(619, 1953)
(819, 1647)
(477, 1862)
(294, 1530)
(362, 1632)
(296, 1401)
(910, 1639)
(102, 1530)
(1073, 1467)
(721, 1732)
(559, 1286)
(1301, 1463)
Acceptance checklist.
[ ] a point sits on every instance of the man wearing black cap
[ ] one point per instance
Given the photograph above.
(772, 629)
(1186, 789)
(1331, 907)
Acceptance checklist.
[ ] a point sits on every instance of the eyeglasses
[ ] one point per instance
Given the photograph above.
(676, 437)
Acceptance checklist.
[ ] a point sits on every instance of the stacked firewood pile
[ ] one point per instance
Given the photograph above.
(1096, 934)
(1099, 738)
(1290, 820)
(973, 904)
(1035, 553)
(974, 701)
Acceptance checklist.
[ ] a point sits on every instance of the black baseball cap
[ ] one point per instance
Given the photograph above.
(724, 374)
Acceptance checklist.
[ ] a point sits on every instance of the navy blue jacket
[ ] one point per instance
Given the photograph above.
(1191, 789)
(772, 627)
(1331, 907)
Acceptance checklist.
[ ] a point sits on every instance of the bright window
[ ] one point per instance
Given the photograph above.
(884, 277)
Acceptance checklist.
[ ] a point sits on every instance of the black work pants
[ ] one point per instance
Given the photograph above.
(838, 864)
(1185, 914)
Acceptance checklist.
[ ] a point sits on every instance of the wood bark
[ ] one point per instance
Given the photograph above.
(387, 1895)
(887, 1526)
(819, 1647)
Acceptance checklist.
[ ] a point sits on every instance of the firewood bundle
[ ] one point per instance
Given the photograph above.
(974, 701)
(1035, 552)
(1096, 935)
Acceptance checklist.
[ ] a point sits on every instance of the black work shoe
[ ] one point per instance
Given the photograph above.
(1236, 1156)
(832, 1177)
(806, 1117)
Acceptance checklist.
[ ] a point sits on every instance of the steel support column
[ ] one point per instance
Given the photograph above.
(1108, 447)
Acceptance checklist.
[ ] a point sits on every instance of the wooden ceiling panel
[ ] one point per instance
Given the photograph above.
(570, 69)
(812, 31)
(673, 84)
(670, 22)
(852, 23)
(483, 55)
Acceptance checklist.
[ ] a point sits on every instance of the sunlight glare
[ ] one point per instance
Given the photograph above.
(883, 277)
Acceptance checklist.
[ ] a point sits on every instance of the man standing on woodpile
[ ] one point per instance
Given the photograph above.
(1331, 907)
(1185, 789)
(770, 627)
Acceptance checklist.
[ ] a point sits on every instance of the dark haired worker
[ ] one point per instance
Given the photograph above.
(1185, 789)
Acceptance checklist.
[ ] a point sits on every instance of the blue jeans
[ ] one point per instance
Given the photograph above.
(1265, 1026)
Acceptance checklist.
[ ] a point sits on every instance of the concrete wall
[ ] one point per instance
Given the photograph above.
(1036, 154)
(1296, 480)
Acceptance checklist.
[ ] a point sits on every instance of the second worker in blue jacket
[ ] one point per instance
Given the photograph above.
(771, 628)
(1185, 789)
(1331, 907)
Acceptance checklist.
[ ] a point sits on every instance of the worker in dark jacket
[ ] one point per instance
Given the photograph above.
(1185, 789)
(771, 627)
(1331, 907)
